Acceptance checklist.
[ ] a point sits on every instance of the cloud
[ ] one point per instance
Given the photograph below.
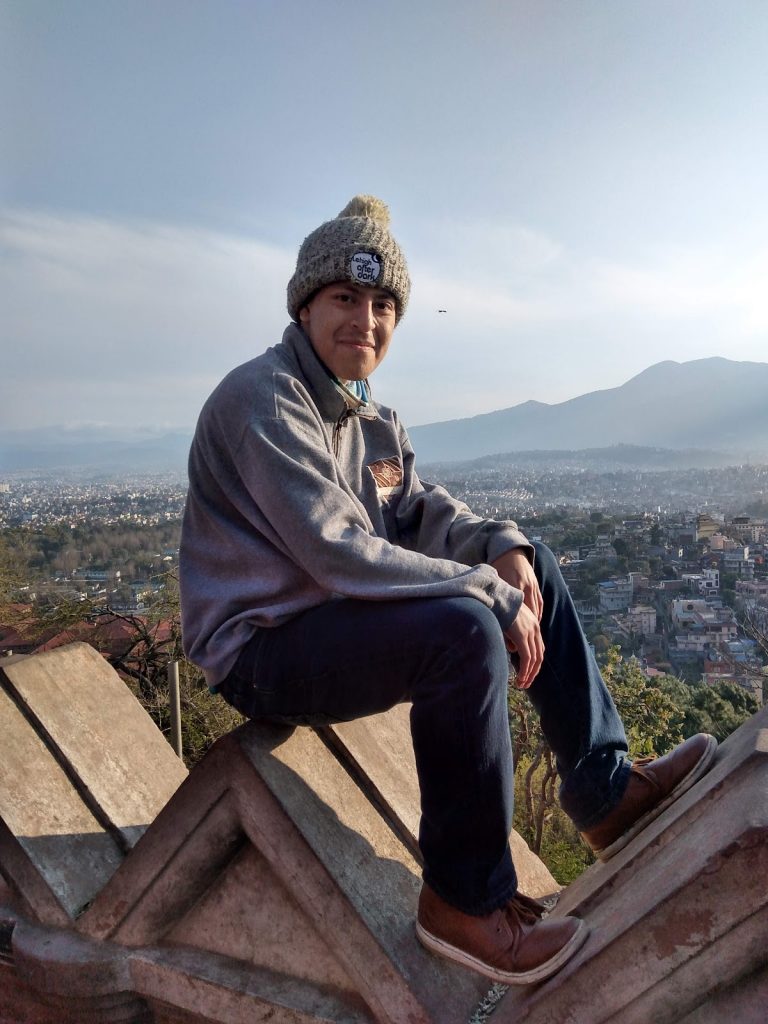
(572, 322)
(135, 322)
(492, 250)
(512, 270)
(681, 284)
(749, 295)
(155, 314)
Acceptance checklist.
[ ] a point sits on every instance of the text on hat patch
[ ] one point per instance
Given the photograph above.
(365, 267)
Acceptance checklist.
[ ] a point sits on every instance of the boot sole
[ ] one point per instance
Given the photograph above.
(699, 769)
(459, 956)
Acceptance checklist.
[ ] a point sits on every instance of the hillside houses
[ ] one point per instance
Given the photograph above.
(677, 588)
(687, 614)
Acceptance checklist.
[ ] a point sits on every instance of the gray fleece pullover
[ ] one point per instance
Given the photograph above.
(295, 500)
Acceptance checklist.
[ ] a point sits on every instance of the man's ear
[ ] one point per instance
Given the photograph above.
(304, 314)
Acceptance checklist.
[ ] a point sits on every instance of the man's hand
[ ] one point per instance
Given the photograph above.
(524, 635)
(514, 568)
(524, 638)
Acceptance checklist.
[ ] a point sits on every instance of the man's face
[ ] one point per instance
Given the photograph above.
(349, 326)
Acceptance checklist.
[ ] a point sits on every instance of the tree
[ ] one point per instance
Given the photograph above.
(653, 722)
(753, 628)
(601, 643)
(728, 587)
(150, 642)
(719, 709)
(622, 547)
(156, 641)
(582, 591)
(652, 718)
(538, 817)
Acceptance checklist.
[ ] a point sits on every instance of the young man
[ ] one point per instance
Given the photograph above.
(322, 581)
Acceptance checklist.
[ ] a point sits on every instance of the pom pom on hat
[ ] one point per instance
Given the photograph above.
(370, 207)
(354, 246)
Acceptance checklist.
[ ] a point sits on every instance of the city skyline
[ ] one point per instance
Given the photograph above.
(580, 188)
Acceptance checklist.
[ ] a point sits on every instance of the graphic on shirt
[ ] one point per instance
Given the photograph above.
(388, 474)
(365, 267)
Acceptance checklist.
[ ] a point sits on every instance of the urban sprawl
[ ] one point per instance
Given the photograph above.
(670, 566)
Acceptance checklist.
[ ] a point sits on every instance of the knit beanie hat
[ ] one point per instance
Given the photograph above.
(355, 246)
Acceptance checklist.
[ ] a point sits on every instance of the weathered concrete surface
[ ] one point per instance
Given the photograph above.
(101, 731)
(280, 881)
(744, 1001)
(270, 886)
(272, 863)
(53, 851)
(679, 918)
(281, 861)
(187, 987)
(379, 754)
(20, 1004)
(85, 771)
(374, 871)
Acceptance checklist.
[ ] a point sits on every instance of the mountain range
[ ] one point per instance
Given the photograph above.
(94, 448)
(711, 403)
(715, 404)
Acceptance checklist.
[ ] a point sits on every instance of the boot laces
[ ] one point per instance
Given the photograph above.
(526, 909)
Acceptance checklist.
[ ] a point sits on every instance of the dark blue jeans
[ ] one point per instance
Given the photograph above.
(348, 658)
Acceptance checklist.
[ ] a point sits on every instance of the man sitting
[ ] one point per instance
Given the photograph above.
(322, 581)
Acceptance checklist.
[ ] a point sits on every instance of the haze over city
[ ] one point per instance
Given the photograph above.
(580, 187)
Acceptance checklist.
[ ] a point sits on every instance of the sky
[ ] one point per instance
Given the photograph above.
(580, 184)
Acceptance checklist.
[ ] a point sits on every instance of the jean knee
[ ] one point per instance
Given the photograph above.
(472, 639)
(468, 618)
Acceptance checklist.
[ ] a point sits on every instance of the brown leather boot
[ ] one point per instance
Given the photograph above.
(511, 945)
(654, 783)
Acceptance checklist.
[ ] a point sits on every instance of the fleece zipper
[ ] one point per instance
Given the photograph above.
(337, 428)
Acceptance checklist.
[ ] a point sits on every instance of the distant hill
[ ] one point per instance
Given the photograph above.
(601, 460)
(716, 410)
(706, 403)
(92, 448)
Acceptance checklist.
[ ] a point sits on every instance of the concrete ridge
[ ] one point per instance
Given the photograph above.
(278, 880)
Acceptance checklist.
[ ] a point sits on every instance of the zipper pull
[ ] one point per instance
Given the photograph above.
(337, 430)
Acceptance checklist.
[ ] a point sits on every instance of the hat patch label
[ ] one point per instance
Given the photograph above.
(365, 267)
